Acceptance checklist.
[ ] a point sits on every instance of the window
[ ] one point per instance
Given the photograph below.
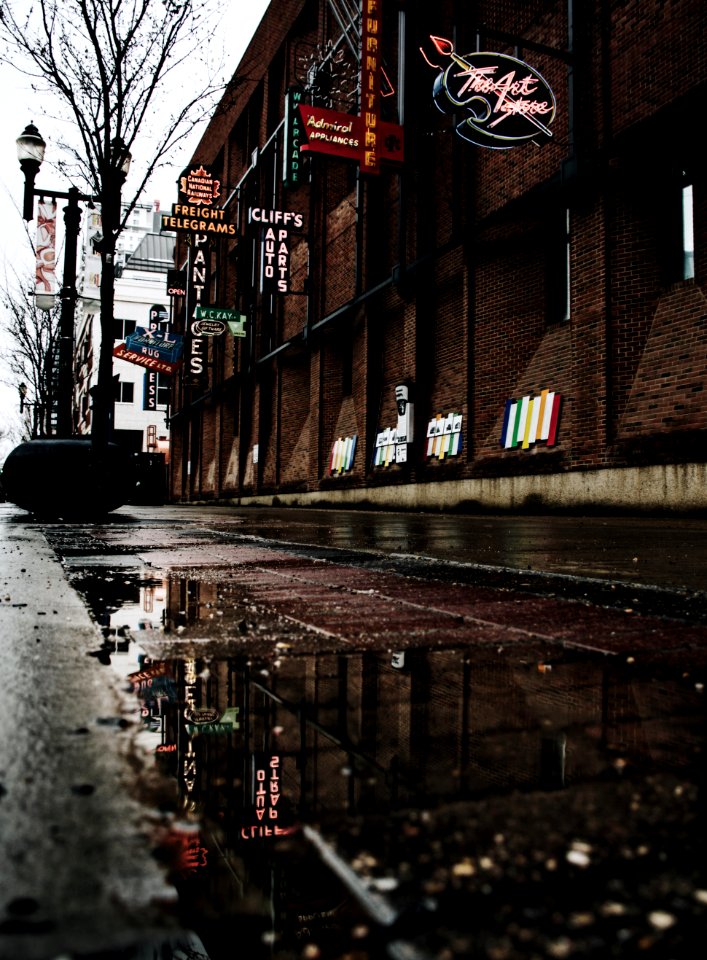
(124, 391)
(558, 276)
(675, 227)
(122, 328)
(164, 386)
(688, 233)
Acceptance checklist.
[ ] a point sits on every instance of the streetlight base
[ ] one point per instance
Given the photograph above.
(68, 479)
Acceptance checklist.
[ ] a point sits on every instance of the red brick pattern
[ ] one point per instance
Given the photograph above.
(468, 325)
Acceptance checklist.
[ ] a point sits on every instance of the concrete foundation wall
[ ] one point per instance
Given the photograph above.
(679, 488)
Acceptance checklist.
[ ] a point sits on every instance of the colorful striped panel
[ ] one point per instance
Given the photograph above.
(444, 436)
(530, 420)
(342, 454)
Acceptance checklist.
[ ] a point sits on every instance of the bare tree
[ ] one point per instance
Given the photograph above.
(31, 363)
(107, 66)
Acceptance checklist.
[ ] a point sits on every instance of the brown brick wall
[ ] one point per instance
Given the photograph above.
(442, 273)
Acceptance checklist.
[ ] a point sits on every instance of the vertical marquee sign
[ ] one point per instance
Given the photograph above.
(291, 163)
(274, 231)
(364, 138)
(370, 82)
(159, 321)
(199, 254)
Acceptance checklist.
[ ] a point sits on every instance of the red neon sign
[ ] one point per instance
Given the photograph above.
(506, 101)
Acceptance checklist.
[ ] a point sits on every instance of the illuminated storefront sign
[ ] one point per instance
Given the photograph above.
(444, 436)
(370, 83)
(176, 283)
(291, 161)
(198, 186)
(160, 354)
(198, 261)
(149, 391)
(275, 226)
(365, 138)
(211, 321)
(159, 319)
(343, 451)
(274, 260)
(153, 343)
(190, 219)
(531, 419)
(285, 218)
(266, 797)
(194, 212)
(237, 327)
(208, 721)
(343, 135)
(506, 101)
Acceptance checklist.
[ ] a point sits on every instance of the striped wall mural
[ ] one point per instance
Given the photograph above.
(388, 450)
(444, 436)
(531, 420)
(343, 451)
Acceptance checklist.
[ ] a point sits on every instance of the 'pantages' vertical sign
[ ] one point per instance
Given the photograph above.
(197, 295)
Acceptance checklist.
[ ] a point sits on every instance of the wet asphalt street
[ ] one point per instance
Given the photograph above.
(339, 734)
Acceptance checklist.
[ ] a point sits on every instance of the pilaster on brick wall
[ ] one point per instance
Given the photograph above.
(550, 368)
(294, 461)
(668, 391)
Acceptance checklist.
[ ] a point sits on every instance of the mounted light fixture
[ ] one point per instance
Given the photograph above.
(30, 153)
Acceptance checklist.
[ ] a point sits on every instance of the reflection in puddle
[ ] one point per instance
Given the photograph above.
(417, 803)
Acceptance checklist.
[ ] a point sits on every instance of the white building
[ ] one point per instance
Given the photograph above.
(143, 257)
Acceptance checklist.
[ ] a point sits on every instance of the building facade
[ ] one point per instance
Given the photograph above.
(143, 257)
(459, 250)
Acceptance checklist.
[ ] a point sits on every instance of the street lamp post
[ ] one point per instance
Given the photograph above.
(30, 153)
(70, 476)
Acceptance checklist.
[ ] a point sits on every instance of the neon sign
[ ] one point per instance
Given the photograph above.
(365, 138)
(506, 101)
(194, 212)
(198, 186)
(370, 83)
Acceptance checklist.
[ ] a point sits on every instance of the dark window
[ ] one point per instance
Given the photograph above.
(124, 391)
(557, 266)
(676, 235)
(346, 363)
(164, 387)
(688, 233)
(122, 328)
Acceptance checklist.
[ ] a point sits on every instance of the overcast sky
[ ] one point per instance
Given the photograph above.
(20, 107)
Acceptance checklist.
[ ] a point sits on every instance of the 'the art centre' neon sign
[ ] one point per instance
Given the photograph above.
(506, 102)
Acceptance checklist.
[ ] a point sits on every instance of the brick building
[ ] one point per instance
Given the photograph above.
(482, 286)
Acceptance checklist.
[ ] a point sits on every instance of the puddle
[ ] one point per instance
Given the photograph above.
(422, 802)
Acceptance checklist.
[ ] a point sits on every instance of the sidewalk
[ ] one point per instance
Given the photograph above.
(77, 872)
(663, 552)
(471, 751)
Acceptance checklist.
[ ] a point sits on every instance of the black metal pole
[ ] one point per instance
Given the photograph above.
(72, 222)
